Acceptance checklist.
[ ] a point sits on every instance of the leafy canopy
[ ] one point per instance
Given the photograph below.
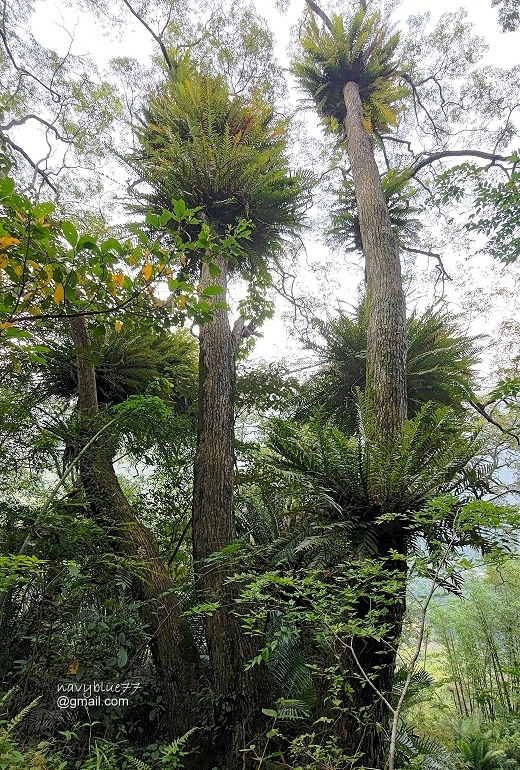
(360, 51)
(221, 152)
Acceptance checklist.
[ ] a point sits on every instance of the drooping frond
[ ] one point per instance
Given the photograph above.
(360, 51)
(440, 361)
(398, 194)
(221, 152)
(129, 362)
(350, 482)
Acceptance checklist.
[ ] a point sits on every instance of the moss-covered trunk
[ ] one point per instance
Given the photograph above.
(173, 648)
(239, 694)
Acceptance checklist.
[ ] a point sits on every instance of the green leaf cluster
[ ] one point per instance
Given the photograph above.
(222, 153)
(359, 50)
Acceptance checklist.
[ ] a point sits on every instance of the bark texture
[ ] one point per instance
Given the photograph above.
(386, 337)
(365, 730)
(239, 694)
(174, 651)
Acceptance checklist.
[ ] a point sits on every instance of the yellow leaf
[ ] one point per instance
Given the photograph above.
(34, 264)
(182, 259)
(3, 261)
(6, 325)
(182, 301)
(7, 241)
(18, 270)
(59, 293)
(118, 279)
(367, 124)
(118, 326)
(35, 310)
(73, 668)
(147, 272)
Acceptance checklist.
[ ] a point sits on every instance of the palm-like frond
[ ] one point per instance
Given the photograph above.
(439, 365)
(287, 664)
(360, 51)
(398, 195)
(223, 153)
(129, 362)
(355, 480)
(425, 753)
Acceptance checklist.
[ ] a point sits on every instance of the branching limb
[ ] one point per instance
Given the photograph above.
(406, 142)
(158, 38)
(21, 121)
(440, 265)
(31, 162)
(431, 158)
(481, 409)
(323, 16)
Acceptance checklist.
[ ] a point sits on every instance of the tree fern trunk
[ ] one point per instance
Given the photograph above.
(174, 651)
(239, 694)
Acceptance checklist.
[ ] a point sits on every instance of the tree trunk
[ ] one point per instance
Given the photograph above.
(239, 694)
(365, 730)
(386, 337)
(174, 651)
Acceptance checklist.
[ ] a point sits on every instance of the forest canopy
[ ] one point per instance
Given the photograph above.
(259, 394)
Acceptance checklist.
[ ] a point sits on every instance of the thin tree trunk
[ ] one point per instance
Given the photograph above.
(239, 694)
(173, 648)
(386, 337)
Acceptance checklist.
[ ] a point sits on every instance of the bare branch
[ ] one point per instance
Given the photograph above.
(456, 154)
(480, 408)
(21, 121)
(158, 38)
(56, 97)
(440, 265)
(31, 162)
(398, 141)
(323, 16)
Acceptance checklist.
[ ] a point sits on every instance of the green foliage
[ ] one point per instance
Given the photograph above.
(398, 193)
(223, 153)
(11, 756)
(16, 569)
(440, 363)
(360, 50)
(345, 473)
(480, 638)
(135, 361)
(475, 744)
(495, 212)
(50, 271)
